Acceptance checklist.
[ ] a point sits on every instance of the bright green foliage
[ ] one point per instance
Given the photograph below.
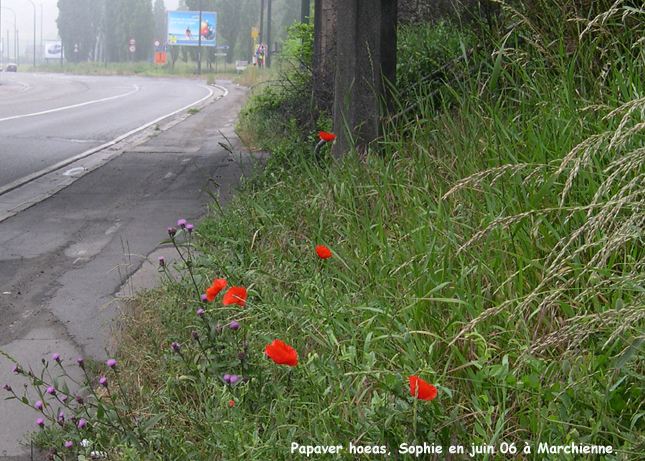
(299, 45)
(423, 48)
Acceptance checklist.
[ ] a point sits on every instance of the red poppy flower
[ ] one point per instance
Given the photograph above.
(420, 389)
(231, 403)
(218, 285)
(323, 252)
(282, 354)
(235, 295)
(327, 137)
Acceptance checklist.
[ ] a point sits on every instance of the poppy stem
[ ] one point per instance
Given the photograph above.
(414, 417)
(317, 149)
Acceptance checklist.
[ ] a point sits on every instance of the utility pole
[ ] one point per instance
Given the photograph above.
(365, 66)
(261, 21)
(268, 52)
(34, 5)
(199, 42)
(305, 12)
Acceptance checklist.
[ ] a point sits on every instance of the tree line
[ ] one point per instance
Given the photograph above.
(101, 30)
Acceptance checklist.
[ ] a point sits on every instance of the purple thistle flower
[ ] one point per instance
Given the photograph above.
(61, 417)
(227, 378)
(56, 358)
(181, 223)
(80, 362)
(200, 312)
(81, 424)
(69, 444)
(189, 228)
(16, 369)
(175, 347)
(218, 326)
(40, 422)
(72, 417)
(38, 405)
(162, 261)
(63, 398)
(172, 231)
(51, 391)
(204, 298)
(234, 326)
(234, 379)
(103, 381)
(195, 335)
(111, 363)
(6, 387)
(241, 355)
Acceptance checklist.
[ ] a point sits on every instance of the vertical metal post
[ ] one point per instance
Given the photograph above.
(305, 12)
(34, 5)
(199, 45)
(268, 44)
(261, 21)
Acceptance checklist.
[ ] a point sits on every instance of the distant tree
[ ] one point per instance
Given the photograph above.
(127, 19)
(79, 24)
(234, 20)
(161, 17)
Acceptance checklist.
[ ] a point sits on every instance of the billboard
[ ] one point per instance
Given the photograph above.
(184, 28)
(53, 49)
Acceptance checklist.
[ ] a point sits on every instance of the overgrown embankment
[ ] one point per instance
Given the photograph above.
(493, 250)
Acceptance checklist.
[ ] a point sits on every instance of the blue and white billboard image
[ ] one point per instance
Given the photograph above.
(184, 28)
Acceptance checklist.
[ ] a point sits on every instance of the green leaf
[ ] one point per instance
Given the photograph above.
(152, 421)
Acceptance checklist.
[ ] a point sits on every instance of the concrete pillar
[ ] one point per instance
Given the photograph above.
(365, 59)
(324, 52)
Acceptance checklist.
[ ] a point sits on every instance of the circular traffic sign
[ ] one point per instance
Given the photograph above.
(157, 43)
(133, 48)
(133, 41)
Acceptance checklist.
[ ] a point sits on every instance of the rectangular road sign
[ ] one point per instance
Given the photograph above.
(160, 57)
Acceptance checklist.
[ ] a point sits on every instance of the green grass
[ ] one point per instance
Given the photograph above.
(181, 69)
(494, 249)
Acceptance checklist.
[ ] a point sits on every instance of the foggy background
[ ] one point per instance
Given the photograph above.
(24, 15)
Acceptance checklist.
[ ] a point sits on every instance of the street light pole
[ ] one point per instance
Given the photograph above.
(199, 43)
(14, 34)
(34, 5)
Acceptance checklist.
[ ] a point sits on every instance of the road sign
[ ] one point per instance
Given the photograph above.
(255, 32)
(133, 48)
(157, 43)
(221, 47)
(160, 58)
(164, 48)
(133, 41)
(262, 47)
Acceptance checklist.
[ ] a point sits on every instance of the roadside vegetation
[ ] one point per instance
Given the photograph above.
(180, 69)
(494, 249)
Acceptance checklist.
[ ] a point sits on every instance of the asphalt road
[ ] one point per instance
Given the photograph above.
(71, 239)
(52, 117)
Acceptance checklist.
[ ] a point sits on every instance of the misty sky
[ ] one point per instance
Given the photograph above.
(24, 14)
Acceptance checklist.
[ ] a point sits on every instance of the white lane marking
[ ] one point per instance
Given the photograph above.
(43, 172)
(136, 88)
